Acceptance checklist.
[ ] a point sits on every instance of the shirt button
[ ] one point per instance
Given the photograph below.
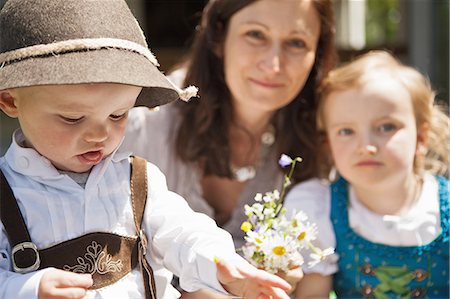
(23, 162)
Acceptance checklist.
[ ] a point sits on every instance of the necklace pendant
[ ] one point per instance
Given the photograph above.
(243, 174)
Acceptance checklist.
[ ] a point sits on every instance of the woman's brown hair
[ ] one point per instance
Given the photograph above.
(202, 136)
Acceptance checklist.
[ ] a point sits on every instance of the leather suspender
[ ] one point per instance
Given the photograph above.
(26, 257)
(138, 198)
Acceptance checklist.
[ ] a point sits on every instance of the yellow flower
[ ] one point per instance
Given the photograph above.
(301, 236)
(246, 226)
(279, 250)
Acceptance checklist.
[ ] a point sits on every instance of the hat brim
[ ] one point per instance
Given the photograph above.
(97, 66)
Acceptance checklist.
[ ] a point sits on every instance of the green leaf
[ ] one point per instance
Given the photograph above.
(383, 287)
(404, 279)
(380, 295)
(393, 271)
(382, 276)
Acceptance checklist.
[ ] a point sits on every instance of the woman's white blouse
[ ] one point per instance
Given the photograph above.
(151, 134)
(419, 226)
(56, 209)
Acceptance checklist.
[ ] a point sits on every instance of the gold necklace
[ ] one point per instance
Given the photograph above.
(245, 173)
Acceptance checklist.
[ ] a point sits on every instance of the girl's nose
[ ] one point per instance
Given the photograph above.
(367, 145)
(371, 149)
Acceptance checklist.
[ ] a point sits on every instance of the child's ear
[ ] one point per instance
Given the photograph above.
(422, 138)
(8, 103)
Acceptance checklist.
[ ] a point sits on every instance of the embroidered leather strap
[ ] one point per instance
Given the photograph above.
(107, 257)
(138, 200)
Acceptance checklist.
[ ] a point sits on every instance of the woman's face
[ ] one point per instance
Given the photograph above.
(269, 50)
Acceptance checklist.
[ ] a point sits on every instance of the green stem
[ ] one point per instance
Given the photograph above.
(287, 182)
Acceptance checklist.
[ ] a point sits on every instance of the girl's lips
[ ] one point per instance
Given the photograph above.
(369, 163)
(91, 158)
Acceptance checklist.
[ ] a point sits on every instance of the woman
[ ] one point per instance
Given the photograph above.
(257, 65)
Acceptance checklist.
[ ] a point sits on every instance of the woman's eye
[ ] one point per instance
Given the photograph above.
(345, 132)
(384, 128)
(255, 35)
(117, 116)
(71, 120)
(296, 43)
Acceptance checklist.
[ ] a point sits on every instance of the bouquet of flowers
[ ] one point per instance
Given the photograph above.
(274, 242)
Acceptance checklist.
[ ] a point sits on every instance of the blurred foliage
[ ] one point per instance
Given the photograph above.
(383, 18)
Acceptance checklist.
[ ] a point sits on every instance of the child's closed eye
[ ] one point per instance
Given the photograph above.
(71, 120)
(117, 117)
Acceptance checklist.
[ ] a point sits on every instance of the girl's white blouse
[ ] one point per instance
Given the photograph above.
(419, 226)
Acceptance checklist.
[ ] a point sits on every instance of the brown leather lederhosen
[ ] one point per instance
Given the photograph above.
(108, 257)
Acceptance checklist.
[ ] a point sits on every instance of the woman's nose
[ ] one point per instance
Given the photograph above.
(272, 60)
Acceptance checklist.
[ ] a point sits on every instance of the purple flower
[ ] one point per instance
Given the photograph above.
(285, 160)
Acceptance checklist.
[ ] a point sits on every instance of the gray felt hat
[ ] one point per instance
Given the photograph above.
(46, 42)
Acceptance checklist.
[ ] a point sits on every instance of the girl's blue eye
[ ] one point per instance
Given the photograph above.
(388, 127)
(345, 132)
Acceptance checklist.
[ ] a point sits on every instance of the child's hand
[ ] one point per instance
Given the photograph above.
(293, 277)
(57, 283)
(250, 283)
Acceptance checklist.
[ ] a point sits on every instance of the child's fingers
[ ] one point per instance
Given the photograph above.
(272, 293)
(265, 278)
(63, 284)
(69, 279)
(67, 293)
(226, 273)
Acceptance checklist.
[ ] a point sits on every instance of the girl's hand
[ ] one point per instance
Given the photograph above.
(61, 284)
(251, 283)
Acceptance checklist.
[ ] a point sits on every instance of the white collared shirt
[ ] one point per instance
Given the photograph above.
(56, 209)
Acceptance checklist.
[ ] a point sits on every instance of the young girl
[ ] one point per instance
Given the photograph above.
(387, 215)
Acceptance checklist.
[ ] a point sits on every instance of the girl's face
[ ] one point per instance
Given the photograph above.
(372, 132)
(74, 126)
(269, 50)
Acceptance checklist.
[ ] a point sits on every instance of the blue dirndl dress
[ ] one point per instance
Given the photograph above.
(372, 270)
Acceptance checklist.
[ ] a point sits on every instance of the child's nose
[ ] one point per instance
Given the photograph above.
(368, 146)
(98, 133)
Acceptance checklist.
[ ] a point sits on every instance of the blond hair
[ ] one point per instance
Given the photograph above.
(427, 113)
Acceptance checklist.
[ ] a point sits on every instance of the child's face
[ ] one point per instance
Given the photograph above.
(372, 132)
(74, 126)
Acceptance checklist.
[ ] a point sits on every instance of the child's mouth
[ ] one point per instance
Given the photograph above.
(91, 158)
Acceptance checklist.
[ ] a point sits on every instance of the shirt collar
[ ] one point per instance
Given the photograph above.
(29, 162)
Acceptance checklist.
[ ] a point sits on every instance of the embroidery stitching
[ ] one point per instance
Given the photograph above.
(95, 260)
